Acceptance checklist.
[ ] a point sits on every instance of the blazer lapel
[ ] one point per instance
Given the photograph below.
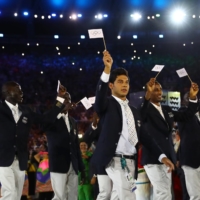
(8, 111)
(118, 106)
(166, 120)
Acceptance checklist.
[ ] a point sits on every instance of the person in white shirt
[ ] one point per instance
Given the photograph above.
(117, 146)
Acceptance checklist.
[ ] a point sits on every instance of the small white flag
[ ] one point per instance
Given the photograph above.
(181, 72)
(95, 33)
(158, 68)
(86, 103)
(92, 100)
(58, 86)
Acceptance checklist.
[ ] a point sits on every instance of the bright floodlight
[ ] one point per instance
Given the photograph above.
(136, 16)
(35, 16)
(56, 36)
(99, 16)
(82, 36)
(178, 16)
(61, 16)
(105, 15)
(15, 14)
(25, 13)
(118, 37)
(1, 35)
(135, 36)
(49, 16)
(161, 36)
(53, 14)
(73, 16)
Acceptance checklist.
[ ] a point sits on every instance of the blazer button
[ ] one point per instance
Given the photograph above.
(119, 133)
(116, 144)
(15, 135)
(166, 138)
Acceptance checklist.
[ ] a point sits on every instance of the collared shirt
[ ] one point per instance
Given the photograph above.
(159, 108)
(11, 106)
(66, 118)
(105, 78)
(124, 146)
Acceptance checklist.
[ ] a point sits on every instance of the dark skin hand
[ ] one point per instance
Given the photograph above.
(95, 119)
(65, 95)
(194, 89)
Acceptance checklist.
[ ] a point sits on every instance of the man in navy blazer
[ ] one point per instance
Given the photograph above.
(64, 152)
(189, 151)
(158, 120)
(15, 124)
(116, 149)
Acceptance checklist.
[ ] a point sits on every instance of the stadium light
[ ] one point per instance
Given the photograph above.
(136, 16)
(82, 36)
(56, 36)
(1, 35)
(178, 16)
(26, 13)
(15, 14)
(161, 36)
(135, 37)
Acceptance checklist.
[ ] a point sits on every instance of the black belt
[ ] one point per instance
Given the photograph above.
(125, 156)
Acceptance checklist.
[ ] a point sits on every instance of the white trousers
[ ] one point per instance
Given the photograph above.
(105, 187)
(121, 188)
(143, 191)
(65, 186)
(12, 181)
(161, 181)
(192, 179)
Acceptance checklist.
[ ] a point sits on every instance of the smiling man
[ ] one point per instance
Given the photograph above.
(15, 124)
(158, 121)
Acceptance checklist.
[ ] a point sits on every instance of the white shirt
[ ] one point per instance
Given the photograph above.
(159, 108)
(122, 139)
(124, 146)
(11, 106)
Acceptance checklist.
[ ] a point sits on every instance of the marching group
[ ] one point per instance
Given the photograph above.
(116, 136)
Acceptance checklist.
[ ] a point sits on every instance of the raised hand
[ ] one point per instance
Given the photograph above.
(108, 61)
(149, 88)
(194, 89)
(62, 91)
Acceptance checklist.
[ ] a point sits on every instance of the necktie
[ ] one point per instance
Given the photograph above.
(133, 139)
(15, 113)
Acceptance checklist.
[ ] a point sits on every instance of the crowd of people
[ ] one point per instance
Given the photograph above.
(38, 77)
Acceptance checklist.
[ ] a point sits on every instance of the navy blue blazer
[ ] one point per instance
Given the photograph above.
(63, 146)
(92, 135)
(14, 136)
(189, 149)
(110, 113)
(161, 129)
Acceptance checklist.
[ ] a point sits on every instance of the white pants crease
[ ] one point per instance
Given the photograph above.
(12, 181)
(161, 181)
(65, 186)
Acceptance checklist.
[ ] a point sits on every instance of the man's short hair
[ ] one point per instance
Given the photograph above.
(117, 72)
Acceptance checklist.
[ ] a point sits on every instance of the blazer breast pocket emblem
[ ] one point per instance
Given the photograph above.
(25, 120)
(171, 114)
